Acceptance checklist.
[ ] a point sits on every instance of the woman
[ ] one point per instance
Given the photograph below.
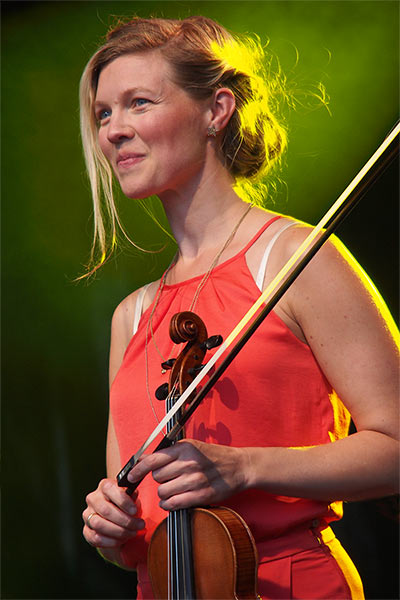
(179, 109)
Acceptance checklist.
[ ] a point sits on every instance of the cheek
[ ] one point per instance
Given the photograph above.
(181, 140)
(183, 125)
(103, 142)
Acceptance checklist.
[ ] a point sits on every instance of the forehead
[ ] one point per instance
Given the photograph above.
(149, 70)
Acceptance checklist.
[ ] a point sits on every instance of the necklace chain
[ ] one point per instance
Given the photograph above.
(201, 285)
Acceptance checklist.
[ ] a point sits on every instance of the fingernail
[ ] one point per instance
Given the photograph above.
(132, 509)
(140, 524)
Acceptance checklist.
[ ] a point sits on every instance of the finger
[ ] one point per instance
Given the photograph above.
(152, 462)
(99, 540)
(187, 460)
(176, 469)
(194, 482)
(170, 471)
(186, 500)
(112, 504)
(118, 497)
(119, 527)
(103, 512)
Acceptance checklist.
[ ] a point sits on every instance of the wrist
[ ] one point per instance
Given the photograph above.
(117, 557)
(260, 467)
(247, 470)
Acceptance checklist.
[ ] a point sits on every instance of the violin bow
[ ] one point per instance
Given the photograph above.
(336, 214)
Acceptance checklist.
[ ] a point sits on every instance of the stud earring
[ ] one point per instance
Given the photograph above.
(211, 131)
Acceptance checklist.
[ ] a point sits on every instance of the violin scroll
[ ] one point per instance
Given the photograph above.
(187, 327)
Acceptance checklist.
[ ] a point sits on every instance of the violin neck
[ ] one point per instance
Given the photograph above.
(179, 535)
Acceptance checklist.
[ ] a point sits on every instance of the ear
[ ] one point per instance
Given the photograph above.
(223, 107)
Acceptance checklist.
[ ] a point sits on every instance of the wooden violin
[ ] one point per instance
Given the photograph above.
(203, 553)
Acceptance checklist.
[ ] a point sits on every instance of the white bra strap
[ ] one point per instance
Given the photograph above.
(267, 252)
(139, 308)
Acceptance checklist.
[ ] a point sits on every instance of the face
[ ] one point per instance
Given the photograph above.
(150, 130)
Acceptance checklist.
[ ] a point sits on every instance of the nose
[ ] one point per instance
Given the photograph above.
(119, 129)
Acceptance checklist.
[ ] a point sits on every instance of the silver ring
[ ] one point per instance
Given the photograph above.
(88, 519)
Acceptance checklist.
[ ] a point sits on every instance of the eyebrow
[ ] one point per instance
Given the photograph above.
(128, 92)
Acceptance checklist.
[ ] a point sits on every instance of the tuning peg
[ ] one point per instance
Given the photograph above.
(195, 370)
(213, 342)
(162, 391)
(168, 364)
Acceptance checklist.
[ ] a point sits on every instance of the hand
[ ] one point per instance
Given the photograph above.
(193, 473)
(113, 519)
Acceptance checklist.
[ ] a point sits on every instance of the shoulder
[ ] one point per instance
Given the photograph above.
(332, 293)
(124, 312)
(332, 264)
(123, 317)
(331, 260)
(337, 305)
(332, 278)
(123, 321)
(331, 270)
(273, 227)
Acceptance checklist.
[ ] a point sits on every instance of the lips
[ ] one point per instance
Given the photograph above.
(128, 159)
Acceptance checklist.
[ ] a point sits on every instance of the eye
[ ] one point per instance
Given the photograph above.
(103, 114)
(140, 102)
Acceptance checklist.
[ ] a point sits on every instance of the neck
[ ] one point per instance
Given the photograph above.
(202, 215)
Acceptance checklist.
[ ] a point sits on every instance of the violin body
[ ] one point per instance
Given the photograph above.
(225, 557)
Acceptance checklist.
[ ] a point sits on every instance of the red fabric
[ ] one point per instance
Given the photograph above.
(301, 566)
(273, 394)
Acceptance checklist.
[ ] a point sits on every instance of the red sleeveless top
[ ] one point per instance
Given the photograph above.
(273, 394)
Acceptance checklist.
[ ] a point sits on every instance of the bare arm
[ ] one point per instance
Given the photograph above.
(114, 518)
(355, 341)
(121, 333)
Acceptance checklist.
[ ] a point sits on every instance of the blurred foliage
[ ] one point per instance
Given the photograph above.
(55, 332)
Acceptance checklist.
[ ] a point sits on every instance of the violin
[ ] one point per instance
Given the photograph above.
(192, 548)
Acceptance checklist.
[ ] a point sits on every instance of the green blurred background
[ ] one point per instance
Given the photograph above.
(56, 332)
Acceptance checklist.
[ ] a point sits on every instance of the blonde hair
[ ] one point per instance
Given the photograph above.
(203, 57)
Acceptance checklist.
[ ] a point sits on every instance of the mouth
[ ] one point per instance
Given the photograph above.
(125, 161)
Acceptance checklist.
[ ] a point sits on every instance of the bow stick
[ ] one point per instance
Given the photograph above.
(271, 295)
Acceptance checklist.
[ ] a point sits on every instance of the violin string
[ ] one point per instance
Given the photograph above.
(178, 580)
(169, 554)
(206, 276)
(183, 543)
(178, 571)
(170, 563)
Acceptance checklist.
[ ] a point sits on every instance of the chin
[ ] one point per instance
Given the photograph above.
(138, 193)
